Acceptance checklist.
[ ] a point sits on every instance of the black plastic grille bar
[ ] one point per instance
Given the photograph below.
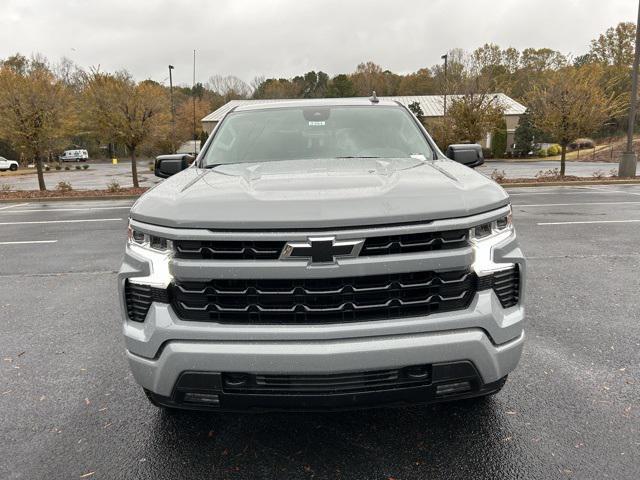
(353, 382)
(323, 300)
(506, 285)
(270, 250)
(138, 299)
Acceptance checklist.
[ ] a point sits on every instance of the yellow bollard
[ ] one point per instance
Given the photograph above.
(114, 161)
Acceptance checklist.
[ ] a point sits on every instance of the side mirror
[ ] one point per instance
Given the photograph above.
(167, 165)
(467, 154)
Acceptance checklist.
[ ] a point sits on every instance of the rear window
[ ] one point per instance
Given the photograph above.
(293, 133)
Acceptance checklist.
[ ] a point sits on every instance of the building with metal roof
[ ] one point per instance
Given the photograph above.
(432, 106)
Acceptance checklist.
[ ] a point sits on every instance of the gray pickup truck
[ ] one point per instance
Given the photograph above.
(321, 254)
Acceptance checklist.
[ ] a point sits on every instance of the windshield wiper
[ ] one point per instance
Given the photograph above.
(357, 156)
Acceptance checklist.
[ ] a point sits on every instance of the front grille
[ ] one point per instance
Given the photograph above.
(355, 382)
(304, 301)
(506, 284)
(228, 250)
(138, 299)
(270, 250)
(414, 242)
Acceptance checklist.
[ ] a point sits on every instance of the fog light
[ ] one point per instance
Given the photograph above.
(207, 398)
(449, 388)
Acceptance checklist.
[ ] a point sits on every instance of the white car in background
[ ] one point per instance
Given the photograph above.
(8, 164)
(74, 156)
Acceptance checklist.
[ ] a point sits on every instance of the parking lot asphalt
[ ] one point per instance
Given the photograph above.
(96, 177)
(99, 175)
(69, 407)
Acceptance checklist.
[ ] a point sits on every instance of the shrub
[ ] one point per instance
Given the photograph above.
(598, 174)
(541, 153)
(67, 167)
(554, 150)
(498, 175)
(113, 186)
(5, 187)
(85, 166)
(548, 173)
(487, 153)
(152, 166)
(64, 186)
(58, 167)
(78, 167)
(47, 168)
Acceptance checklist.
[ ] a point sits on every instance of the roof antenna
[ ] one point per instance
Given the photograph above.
(374, 98)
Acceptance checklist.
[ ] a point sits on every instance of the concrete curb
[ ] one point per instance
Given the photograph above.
(571, 183)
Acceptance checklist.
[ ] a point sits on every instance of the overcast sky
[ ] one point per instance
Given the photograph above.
(287, 37)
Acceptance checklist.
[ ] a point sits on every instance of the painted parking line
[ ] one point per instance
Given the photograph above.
(88, 209)
(28, 242)
(65, 221)
(14, 206)
(588, 204)
(583, 222)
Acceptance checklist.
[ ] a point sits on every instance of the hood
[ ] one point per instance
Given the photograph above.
(318, 193)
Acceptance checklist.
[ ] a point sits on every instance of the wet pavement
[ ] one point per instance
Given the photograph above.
(99, 175)
(69, 407)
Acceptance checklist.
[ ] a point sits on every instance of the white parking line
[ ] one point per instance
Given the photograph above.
(14, 206)
(65, 221)
(570, 204)
(28, 241)
(89, 209)
(588, 222)
(601, 190)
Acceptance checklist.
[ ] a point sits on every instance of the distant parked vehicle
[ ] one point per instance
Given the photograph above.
(74, 156)
(8, 164)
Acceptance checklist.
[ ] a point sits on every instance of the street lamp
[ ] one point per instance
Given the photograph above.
(173, 113)
(629, 161)
(445, 57)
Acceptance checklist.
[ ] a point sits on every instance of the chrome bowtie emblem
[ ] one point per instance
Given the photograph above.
(321, 249)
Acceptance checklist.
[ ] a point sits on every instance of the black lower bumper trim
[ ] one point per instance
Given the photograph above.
(449, 381)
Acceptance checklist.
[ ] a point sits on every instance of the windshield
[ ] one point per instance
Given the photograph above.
(317, 132)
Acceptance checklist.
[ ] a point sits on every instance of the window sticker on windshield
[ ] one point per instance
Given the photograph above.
(418, 156)
(316, 124)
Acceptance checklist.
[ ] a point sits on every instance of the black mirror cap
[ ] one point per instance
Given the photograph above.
(469, 154)
(167, 165)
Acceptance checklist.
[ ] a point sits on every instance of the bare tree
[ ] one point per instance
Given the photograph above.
(229, 87)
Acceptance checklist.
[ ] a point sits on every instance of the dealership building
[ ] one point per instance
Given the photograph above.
(432, 106)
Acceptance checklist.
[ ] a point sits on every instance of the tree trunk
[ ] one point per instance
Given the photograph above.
(563, 158)
(134, 167)
(40, 172)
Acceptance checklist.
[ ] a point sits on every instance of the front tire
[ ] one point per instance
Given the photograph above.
(13, 168)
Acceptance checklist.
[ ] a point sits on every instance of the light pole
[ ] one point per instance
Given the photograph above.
(629, 161)
(445, 58)
(173, 113)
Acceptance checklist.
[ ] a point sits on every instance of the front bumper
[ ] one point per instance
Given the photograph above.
(484, 335)
(491, 363)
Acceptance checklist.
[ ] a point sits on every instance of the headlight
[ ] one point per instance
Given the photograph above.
(484, 237)
(493, 228)
(157, 251)
(145, 240)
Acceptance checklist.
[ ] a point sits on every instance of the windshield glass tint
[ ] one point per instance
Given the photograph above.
(317, 132)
